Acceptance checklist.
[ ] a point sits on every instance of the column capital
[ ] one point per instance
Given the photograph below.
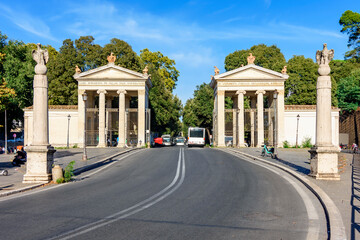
(280, 91)
(81, 91)
(101, 91)
(220, 92)
(260, 92)
(241, 92)
(141, 91)
(121, 91)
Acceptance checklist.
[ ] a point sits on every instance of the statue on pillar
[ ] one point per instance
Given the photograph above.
(41, 57)
(325, 56)
(216, 70)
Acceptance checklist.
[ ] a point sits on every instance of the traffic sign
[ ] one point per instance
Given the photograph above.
(14, 135)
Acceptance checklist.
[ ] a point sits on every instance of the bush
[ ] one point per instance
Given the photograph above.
(69, 171)
(306, 143)
(75, 146)
(286, 144)
(60, 180)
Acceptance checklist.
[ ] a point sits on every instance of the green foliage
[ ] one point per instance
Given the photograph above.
(286, 144)
(60, 180)
(75, 146)
(198, 111)
(5, 95)
(267, 57)
(300, 88)
(125, 56)
(350, 22)
(348, 92)
(165, 67)
(69, 171)
(165, 107)
(306, 143)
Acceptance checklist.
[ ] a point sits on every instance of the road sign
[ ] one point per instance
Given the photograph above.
(14, 135)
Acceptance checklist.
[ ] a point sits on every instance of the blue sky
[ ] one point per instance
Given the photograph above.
(198, 35)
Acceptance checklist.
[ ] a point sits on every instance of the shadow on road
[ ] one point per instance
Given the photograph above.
(297, 168)
(355, 196)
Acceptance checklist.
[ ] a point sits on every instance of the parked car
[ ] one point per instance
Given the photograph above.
(180, 141)
(228, 141)
(167, 141)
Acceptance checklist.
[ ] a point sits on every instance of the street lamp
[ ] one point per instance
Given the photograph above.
(297, 129)
(84, 97)
(275, 124)
(68, 130)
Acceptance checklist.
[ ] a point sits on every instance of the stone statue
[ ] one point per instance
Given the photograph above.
(41, 57)
(111, 58)
(217, 71)
(325, 56)
(145, 70)
(283, 71)
(77, 69)
(251, 59)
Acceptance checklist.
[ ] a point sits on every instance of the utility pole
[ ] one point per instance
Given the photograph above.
(6, 146)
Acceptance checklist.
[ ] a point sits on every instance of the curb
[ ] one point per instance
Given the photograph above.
(336, 225)
(76, 172)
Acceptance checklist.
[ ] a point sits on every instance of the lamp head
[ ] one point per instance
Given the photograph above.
(84, 96)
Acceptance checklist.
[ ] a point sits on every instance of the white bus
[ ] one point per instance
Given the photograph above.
(196, 137)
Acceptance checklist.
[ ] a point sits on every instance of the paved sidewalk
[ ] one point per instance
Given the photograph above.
(13, 182)
(344, 193)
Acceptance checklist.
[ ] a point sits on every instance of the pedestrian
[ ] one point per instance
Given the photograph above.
(355, 147)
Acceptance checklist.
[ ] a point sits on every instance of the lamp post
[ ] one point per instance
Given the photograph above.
(297, 129)
(275, 124)
(6, 144)
(84, 97)
(68, 131)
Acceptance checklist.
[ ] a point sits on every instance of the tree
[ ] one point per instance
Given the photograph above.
(348, 91)
(300, 88)
(267, 57)
(350, 22)
(61, 68)
(5, 95)
(165, 107)
(164, 65)
(198, 111)
(125, 56)
(342, 68)
(88, 53)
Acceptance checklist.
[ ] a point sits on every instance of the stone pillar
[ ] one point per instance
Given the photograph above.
(102, 138)
(235, 120)
(241, 126)
(252, 119)
(221, 118)
(108, 127)
(81, 116)
(40, 154)
(141, 118)
(260, 117)
(122, 119)
(336, 140)
(324, 158)
(280, 110)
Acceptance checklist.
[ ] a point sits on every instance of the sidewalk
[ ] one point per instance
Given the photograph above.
(13, 182)
(344, 193)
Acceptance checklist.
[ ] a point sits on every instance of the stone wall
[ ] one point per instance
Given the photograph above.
(350, 124)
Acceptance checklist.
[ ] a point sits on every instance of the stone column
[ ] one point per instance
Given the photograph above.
(221, 118)
(40, 153)
(102, 138)
(81, 116)
(122, 119)
(241, 126)
(280, 110)
(235, 121)
(324, 158)
(252, 120)
(141, 118)
(260, 117)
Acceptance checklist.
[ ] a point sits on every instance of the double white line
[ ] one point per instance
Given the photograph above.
(174, 185)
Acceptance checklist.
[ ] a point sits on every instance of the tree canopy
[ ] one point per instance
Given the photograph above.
(350, 22)
(348, 91)
(267, 57)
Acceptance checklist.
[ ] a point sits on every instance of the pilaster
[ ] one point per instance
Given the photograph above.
(241, 126)
(260, 117)
(221, 118)
(122, 137)
(102, 138)
(141, 118)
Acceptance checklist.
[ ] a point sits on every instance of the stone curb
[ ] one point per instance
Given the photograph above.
(337, 228)
(76, 172)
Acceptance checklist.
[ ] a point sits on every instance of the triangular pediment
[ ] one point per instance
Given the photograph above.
(251, 72)
(110, 72)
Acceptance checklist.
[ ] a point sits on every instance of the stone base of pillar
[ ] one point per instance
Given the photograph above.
(101, 145)
(39, 163)
(240, 145)
(324, 163)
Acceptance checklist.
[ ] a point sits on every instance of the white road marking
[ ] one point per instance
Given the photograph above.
(135, 208)
(314, 225)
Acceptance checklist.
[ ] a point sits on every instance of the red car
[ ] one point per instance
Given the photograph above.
(158, 141)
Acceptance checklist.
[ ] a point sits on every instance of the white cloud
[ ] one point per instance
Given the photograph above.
(27, 22)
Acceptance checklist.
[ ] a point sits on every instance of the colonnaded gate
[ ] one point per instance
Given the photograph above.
(254, 126)
(117, 106)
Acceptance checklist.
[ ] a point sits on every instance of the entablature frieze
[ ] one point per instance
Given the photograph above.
(250, 84)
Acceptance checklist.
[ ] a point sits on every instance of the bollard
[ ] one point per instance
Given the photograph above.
(57, 172)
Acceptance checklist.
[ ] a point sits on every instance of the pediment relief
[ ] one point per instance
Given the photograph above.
(110, 73)
(251, 73)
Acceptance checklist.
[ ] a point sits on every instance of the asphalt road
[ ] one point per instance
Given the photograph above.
(168, 193)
